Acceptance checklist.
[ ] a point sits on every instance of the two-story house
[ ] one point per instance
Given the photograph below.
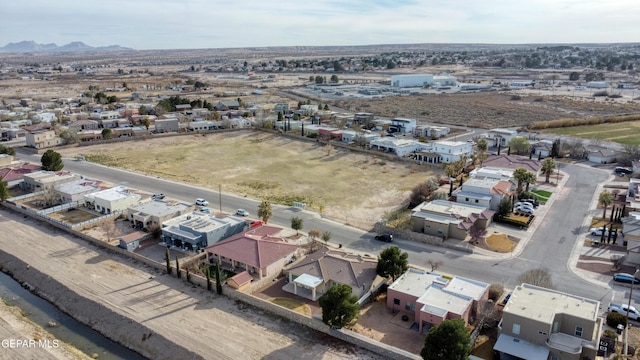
(42, 139)
(541, 324)
(485, 192)
(448, 219)
(452, 151)
(402, 125)
(500, 137)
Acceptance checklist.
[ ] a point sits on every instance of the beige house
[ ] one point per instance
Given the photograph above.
(44, 180)
(152, 213)
(42, 139)
(448, 219)
(542, 324)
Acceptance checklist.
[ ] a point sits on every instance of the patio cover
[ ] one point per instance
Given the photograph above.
(308, 281)
(520, 348)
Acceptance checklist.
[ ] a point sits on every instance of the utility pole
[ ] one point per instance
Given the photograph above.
(220, 196)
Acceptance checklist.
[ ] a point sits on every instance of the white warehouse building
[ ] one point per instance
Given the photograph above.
(411, 80)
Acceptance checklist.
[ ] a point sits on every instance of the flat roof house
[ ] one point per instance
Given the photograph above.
(112, 200)
(500, 137)
(43, 180)
(430, 298)
(77, 189)
(257, 251)
(42, 139)
(194, 231)
(448, 219)
(155, 212)
(540, 324)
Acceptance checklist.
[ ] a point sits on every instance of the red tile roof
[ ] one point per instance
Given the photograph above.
(512, 162)
(17, 172)
(253, 248)
(241, 278)
(503, 187)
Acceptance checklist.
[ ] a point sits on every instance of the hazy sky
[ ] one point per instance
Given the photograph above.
(180, 24)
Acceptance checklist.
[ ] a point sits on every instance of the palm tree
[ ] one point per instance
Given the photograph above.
(548, 167)
(265, 211)
(521, 175)
(530, 179)
(605, 199)
(482, 149)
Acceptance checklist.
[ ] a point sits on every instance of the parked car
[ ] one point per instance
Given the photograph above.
(625, 278)
(205, 210)
(622, 309)
(242, 212)
(623, 171)
(385, 237)
(202, 202)
(157, 196)
(524, 210)
(533, 202)
(524, 204)
(598, 231)
(506, 299)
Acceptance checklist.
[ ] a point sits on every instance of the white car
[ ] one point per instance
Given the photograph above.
(202, 202)
(598, 231)
(525, 203)
(157, 196)
(524, 210)
(242, 212)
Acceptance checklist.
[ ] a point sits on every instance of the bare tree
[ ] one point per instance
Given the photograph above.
(109, 228)
(537, 277)
(435, 264)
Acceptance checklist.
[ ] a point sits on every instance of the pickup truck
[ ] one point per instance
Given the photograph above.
(622, 309)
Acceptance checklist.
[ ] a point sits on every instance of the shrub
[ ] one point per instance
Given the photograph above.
(615, 319)
(615, 96)
(538, 99)
(610, 334)
(495, 291)
(516, 97)
(600, 93)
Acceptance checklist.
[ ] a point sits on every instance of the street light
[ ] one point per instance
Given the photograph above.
(626, 328)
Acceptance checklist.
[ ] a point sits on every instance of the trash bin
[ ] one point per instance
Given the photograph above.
(619, 329)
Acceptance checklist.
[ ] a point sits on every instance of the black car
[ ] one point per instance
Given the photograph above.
(623, 171)
(384, 237)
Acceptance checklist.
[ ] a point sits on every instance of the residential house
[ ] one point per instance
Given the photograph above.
(281, 109)
(167, 125)
(203, 125)
(631, 236)
(489, 172)
(509, 162)
(104, 115)
(45, 180)
(402, 125)
(240, 281)
(194, 231)
(183, 107)
(431, 131)
(42, 139)
(113, 200)
(258, 251)
(227, 105)
(115, 123)
(362, 118)
(14, 175)
(500, 137)
(146, 215)
(452, 151)
(601, 155)
(76, 190)
(312, 276)
(429, 298)
(448, 219)
(398, 146)
(86, 124)
(542, 149)
(7, 160)
(540, 324)
(485, 192)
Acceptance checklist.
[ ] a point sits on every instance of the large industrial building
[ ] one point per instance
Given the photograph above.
(420, 80)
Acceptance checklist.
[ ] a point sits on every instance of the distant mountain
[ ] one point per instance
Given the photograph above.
(32, 46)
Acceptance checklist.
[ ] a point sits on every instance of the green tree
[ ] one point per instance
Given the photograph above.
(218, 281)
(339, 307)
(537, 277)
(145, 122)
(483, 146)
(548, 167)
(326, 107)
(4, 191)
(450, 340)
(334, 78)
(392, 262)
(69, 136)
(605, 199)
(574, 76)
(326, 236)
(7, 150)
(505, 207)
(51, 161)
(107, 134)
(529, 179)
(521, 175)
(520, 144)
(296, 224)
(265, 211)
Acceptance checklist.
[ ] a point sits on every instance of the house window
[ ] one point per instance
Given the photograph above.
(516, 329)
(466, 199)
(407, 306)
(542, 333)
(396, 301)
(476, 201)
(578, 331)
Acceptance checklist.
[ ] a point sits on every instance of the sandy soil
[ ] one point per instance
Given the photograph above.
(14, 327)
(210, 326)
(345, 186)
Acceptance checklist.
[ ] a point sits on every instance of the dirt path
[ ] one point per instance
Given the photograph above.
(209, 326)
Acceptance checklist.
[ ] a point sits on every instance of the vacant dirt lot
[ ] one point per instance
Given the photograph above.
(337, 182)
(488, 109)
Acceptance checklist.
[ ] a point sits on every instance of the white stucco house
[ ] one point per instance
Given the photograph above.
(112, 200)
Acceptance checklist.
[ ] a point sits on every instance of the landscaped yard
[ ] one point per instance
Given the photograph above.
(624, 132)
(501, 243)
(294, 305)
(349, 187)
(543, 195)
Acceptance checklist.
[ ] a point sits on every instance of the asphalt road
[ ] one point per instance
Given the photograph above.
(549, 247)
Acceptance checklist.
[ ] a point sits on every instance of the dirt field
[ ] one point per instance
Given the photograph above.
(487, 109)
(339, 183)
(210, 326)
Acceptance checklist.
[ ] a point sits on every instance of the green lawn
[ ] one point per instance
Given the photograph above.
(624, 133)
(542, 194)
